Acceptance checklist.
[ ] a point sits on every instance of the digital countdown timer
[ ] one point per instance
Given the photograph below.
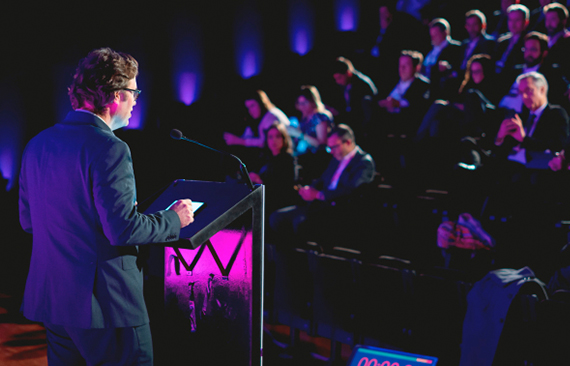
(375, 356)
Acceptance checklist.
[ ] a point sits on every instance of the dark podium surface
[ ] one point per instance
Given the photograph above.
(213, 277)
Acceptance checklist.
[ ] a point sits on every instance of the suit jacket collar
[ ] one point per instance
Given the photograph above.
(85, 118)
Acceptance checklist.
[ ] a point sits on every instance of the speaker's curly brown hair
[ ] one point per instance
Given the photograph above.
(101, 73)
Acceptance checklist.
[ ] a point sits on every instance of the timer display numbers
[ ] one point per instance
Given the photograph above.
(375, 356)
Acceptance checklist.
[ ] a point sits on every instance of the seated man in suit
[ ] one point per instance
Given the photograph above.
(403, 107)
(478, 41)
(535, 55)
(324, 200)
(508, 51)
(524, 145)
(556, 21)
(545, 131)
(444, 59)
(355, 95)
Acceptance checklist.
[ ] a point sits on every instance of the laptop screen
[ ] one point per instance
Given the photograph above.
(375, 356)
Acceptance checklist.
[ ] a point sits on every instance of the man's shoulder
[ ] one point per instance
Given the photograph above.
(454, 43)
(421, 80)
(555, 110)
(505, 38)
(365, 82)
(362, 156)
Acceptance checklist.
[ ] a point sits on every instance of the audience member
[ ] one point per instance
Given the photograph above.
(478, 41)
(276, 169)
(262, 111)
(556, 19)
(537, 17)
(535, 51)
(326, 200)
(437, 144)
(444, 59)
(358, 92)
(403, 107)
(544, 132)
(498, 21)
(397, 31)
(509, 46)
(315, 124)
(310, 137)
(463, 114)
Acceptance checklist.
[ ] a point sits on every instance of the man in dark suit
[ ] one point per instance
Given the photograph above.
(349, 169)
(535, 56)
(508, 51)
(478, 41)
(402, 108)
(499, 19)
(545, 129)
(556, 20)
(444, 59)
(78, 199)
(358, 92)
(397, 31)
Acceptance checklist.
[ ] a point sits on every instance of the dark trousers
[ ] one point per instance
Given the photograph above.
(68, 346)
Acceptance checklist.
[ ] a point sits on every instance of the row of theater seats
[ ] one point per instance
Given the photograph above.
(389, 302)
(386, 302)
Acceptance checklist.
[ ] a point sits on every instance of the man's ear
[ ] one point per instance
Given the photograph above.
(117, 96)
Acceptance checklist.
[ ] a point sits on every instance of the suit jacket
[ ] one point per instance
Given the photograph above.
(360, 170)
(77, 198)
(408, 120)
(485, 44)
(452, 54)
(515, 56)
(357, 112)
(551, 132)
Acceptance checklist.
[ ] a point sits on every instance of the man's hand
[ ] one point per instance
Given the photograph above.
(558, 162)
(389, 103)
(255, 178)
(184, 210)
(511, 127)
(232, 139)
(308, 193)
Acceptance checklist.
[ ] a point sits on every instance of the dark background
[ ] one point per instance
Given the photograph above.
(41, 44)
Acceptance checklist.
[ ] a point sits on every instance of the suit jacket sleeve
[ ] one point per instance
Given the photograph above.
(24, 205)
(114, 195)
(359, 171)
(551, 131)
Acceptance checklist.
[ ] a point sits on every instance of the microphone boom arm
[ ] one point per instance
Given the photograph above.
(242, 166)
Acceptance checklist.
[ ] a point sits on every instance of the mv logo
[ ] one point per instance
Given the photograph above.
(225, 271)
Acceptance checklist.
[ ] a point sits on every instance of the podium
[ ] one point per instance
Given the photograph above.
(213, 276)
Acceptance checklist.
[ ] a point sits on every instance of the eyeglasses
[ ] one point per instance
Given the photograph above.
(136, 92)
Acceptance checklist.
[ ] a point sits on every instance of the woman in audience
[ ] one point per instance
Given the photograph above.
(450, 129)
(262, 111)
(459, 116)
(310, 137)
(277, 169)
(316, 121)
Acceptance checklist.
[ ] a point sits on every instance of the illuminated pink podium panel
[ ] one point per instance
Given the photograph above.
(213, 277)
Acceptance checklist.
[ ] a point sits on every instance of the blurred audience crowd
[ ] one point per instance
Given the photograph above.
(485, 118)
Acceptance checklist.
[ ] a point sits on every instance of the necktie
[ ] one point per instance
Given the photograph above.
(529, 123)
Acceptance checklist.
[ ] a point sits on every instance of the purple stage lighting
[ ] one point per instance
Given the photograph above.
(346, 14)
(187, 59)
(248, 41)
(11, 136)
(301, 26)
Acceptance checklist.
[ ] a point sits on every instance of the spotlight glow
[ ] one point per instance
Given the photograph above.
(187, 58)
(347, 13)
(248, 41)
(301, 26)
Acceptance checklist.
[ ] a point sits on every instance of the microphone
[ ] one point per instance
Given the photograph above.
(178, 135)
